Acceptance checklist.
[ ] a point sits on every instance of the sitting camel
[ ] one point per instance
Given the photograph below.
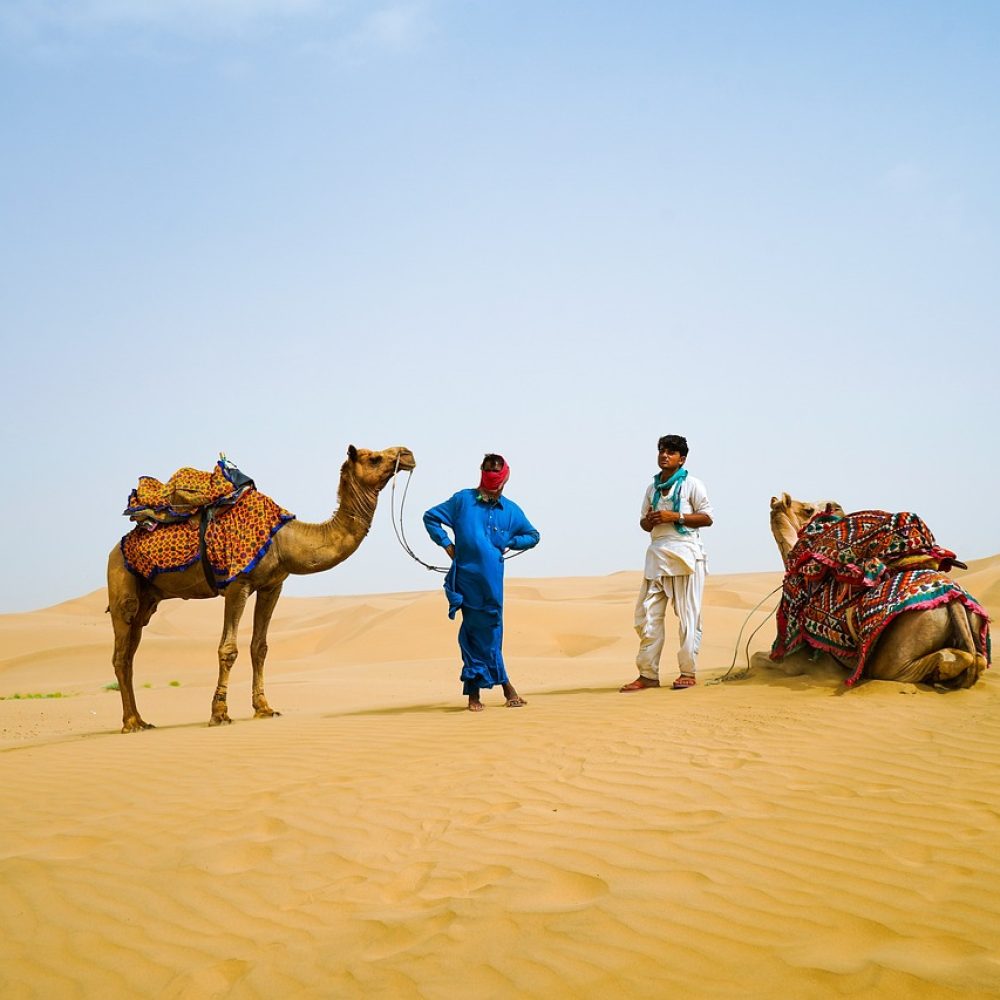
(297, 548)
(942, 645)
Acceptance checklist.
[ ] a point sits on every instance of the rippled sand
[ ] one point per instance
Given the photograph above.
(768, 837)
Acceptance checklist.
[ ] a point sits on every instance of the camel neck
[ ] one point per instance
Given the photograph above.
(353, 517)
(313, 548)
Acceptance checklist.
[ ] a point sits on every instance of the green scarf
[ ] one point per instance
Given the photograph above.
(661, 489)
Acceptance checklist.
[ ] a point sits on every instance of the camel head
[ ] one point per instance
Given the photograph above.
(790, 516)
(373, 469)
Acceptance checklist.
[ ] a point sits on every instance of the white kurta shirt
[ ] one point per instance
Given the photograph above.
(670, 552)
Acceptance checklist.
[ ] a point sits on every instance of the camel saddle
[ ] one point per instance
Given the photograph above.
(218, 518)
(185, 493)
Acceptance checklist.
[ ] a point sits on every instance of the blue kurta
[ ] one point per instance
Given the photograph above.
(482, 530)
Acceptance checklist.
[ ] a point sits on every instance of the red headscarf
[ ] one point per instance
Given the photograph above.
(493, 481)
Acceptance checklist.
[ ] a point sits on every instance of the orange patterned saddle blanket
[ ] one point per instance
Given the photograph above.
(218, 517)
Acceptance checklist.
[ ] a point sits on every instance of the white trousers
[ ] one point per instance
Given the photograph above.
(685, 593)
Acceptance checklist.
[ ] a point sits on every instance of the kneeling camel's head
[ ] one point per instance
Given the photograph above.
(790, 516)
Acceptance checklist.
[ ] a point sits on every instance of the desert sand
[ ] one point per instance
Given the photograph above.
(772, 836)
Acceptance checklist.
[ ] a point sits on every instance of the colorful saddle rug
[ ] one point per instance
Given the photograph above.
(240, 524)
(849, 577)
(861, 548)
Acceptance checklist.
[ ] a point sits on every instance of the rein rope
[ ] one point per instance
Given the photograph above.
(736, 651)
(400, 532)
(398, 529)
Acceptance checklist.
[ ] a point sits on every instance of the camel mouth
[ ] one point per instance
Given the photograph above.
(405, 462)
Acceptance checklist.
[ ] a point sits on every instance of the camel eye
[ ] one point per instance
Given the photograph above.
(375, 460)
(809, 511)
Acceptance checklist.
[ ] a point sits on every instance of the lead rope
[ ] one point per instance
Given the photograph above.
(736, 652)
(401, 532)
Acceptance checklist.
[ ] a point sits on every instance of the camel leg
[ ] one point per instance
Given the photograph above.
(128, 625)
(130, 613)
(263, 609)
(960, 665)
(236, 601)
(958, 671)
(957, 668)
(918, 647)
(952, 667)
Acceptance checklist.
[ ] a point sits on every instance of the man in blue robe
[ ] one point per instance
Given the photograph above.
(484, 524)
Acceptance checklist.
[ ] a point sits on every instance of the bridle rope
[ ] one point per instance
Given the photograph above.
(400, 531)
(736, 651)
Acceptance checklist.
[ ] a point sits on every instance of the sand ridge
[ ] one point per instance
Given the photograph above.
(776, 836)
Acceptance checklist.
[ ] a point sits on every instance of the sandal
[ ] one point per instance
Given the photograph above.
(684, 681)
(639, 684)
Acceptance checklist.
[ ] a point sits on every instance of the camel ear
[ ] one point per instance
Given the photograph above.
(786, 499)
(352, 453)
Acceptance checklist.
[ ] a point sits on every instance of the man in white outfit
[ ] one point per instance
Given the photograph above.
(675, 506)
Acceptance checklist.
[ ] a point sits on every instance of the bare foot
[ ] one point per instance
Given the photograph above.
(475, 705)
(639, 684)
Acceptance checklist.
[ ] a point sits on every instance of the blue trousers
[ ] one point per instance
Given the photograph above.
(480, 638)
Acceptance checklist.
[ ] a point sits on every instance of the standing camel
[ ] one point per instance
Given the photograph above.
(943, 645)
(298, 548)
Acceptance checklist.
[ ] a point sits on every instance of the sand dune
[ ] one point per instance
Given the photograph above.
(770, 837)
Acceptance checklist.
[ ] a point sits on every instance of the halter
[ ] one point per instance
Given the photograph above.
(401, 533)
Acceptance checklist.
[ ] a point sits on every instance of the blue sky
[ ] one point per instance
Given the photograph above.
(555, 230)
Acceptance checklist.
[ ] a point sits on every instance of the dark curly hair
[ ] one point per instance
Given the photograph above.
(673, 442)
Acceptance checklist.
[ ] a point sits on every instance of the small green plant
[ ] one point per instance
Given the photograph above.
(147, 685)
(17, 696)
(175, 684)
(112, 686)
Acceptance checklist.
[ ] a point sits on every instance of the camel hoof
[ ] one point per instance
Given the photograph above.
(265, 713)
(220, 720)
(136, 726)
